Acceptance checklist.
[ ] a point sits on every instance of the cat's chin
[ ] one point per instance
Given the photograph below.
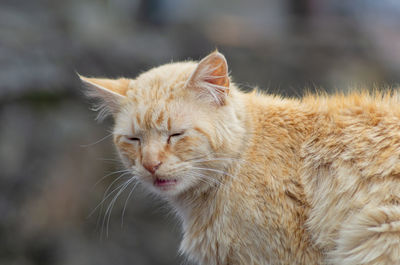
(165, 184)
(167, 187)
(172, 187)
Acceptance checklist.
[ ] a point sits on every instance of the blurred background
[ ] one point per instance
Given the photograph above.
(52, 152)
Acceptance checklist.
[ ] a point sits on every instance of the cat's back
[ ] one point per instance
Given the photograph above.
(351, 163)
(343, 149)
(360, 130)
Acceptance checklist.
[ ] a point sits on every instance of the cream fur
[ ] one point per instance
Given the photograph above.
(283, 181)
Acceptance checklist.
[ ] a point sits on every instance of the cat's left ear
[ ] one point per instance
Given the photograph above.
(109, 93)
(210, 79)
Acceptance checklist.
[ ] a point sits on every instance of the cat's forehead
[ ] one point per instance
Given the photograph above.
(162, 83)
(157, 100)
(142, 118)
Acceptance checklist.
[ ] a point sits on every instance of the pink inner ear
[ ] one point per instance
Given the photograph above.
(219, 75)
(211, 78)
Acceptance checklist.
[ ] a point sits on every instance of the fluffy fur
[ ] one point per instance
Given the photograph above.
(258, 179)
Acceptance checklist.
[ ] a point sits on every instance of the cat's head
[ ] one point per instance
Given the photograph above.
(176, 126)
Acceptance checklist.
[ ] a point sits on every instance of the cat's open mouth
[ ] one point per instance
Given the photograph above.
(165, 183)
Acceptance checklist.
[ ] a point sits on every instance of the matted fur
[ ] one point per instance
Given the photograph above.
(261, 179)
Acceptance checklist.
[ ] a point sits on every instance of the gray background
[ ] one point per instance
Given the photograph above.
(49, 158)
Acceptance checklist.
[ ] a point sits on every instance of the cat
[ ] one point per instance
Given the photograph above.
(260, 179)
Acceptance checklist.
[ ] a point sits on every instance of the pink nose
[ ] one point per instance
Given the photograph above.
(152, 166)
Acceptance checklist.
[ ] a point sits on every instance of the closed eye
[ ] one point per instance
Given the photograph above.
(133, 139)
(174, 135)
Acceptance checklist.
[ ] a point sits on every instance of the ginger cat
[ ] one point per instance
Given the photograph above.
(258, 179)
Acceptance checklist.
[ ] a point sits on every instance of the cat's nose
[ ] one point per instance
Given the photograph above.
(152, 166)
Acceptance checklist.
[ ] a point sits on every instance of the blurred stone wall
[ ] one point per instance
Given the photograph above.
(52, 153)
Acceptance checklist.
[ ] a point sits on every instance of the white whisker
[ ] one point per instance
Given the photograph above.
(215, 170)
(126, 203)
(214, 159)
(111, 205)
(106, 194)
(109, 174)
(206, 178)
(98, 141)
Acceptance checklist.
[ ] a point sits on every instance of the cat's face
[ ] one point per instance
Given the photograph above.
(170, 122)
(162, 133)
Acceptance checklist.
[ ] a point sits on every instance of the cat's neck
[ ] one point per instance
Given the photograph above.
(204, 197)
(195, 199)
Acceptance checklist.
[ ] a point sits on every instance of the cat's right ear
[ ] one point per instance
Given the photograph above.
(210, 79)
(109, 93)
